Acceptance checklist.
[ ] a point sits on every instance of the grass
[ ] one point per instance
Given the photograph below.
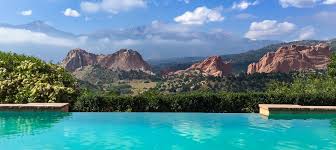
(139, 86)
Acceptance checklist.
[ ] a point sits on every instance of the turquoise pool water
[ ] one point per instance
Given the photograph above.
(164, 131)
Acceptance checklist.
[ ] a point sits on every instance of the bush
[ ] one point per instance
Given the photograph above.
(26, 79)
(194, 102)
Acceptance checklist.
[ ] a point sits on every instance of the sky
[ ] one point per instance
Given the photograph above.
(253, 19)
(161, 28)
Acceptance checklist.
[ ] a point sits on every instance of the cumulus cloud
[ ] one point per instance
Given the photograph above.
(243, 5)
(71, 13)
(22, 36)
(112, 6)
(306, 33)
(329, 2)
(298, 3)
(26, 13)
(269, 29)
(200, 16)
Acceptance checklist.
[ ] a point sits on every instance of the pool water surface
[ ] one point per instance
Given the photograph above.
(164, 131)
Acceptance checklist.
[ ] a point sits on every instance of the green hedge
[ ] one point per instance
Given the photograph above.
(194, 102)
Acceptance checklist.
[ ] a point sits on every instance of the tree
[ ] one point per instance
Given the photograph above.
(332, 66)
(27, 79)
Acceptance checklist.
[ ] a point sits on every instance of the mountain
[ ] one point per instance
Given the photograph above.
(239, 61)
(41, 27)
(124, 59)
(212, 66)
(293, 58)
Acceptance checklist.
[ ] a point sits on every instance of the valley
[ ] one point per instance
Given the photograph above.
(127, 73)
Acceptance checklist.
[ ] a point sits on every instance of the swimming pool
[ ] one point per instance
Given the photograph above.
(163, 131)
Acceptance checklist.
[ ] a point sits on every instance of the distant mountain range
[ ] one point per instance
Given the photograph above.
(104, 71)
(239, 61)
(41, 27)
(157, 40)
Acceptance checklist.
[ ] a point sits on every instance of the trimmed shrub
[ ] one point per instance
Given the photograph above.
(194, 102)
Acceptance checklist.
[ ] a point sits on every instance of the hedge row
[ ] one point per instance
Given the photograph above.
(195, 102)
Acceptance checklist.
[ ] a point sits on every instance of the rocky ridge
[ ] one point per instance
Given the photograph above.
(124, 59)
(293, 58)
(212, 66)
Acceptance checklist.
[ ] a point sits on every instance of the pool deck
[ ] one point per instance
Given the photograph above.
(269, 109)
(52, 107)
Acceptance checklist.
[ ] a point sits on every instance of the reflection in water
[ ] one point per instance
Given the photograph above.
(333, 125)
(302, 116)
(263, 125)
(163, 131)
(28, 123)
(196, 131)
(295, 131)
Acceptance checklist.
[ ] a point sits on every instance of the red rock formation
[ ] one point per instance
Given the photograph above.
(123, 59)
(293, 58)
(212, 66)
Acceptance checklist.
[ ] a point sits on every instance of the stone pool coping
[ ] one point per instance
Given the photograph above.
(53, 107)
(269, 109)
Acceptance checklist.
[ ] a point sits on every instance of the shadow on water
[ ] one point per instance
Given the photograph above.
(302, 116)
(28, 123)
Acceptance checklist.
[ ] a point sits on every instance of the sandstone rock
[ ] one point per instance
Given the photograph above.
(212, 66)
(124, 59)
(293, 58)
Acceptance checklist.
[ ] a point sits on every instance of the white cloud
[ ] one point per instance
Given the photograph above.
(306, 33)
(200, 16)
(158, 26)
(26, 13)
(243, 4)
(298, 3)
(329, 2)
(112, 6)
(22, 36)
(90, 7)
(269, 29)
(71, 13)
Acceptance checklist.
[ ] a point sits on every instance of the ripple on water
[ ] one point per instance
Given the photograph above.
(163, 131)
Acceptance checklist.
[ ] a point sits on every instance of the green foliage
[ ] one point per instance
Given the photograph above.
(232, 83)
(99, 78)
(120, 89)
(318, 83)
(27, 79)
(310, 84)
(333, 45)
(332, 66)
(194, 102)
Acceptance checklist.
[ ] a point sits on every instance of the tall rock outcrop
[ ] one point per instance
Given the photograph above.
(124, 59)
(212, 66)
(293, 58)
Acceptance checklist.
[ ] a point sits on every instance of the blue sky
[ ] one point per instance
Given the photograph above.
(161, 28)
(315, 15)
